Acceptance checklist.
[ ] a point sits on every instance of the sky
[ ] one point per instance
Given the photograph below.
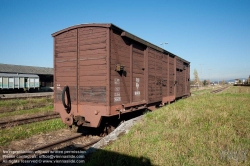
(213, 35)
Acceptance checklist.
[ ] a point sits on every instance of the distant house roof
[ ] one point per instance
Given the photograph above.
(6, 68)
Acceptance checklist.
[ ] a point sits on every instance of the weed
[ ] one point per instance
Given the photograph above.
(24, 131)
(48, 108)
(20, 104)
(200, 130)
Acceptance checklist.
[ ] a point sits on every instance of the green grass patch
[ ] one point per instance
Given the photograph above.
(199, 92)
(209, 129)
(27, 130)
(20, 104)
(238, 90)
(48, 108)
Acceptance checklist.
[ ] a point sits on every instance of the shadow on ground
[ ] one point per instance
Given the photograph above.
(103, 157)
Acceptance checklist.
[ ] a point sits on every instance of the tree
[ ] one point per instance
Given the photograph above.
(196, 77)
(205, 82)
(223, 82)
(208, 82)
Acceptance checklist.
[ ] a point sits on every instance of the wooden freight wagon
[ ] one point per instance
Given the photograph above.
(106, 71)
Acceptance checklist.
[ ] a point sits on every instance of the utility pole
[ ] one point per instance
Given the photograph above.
(164, 44)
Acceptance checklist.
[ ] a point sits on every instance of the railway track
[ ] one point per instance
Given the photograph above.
(28, 120)
(219, 90)
(25, 95)
(12, 109)
(66, 147)
(38, 153)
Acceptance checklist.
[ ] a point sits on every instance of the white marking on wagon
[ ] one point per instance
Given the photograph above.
(117, 95)
(137, 92)
(117, 81)
(117, 89)
(117, 99)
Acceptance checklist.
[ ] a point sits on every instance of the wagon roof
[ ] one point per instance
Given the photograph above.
(124, 33)
(18, 75)
(7, 68)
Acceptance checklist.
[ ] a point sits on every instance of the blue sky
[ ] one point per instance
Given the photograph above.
(214, 35)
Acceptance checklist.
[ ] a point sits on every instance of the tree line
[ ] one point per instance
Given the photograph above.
(197, 82)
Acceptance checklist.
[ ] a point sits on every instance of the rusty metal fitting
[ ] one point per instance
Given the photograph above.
(96, 112)
(69, 120)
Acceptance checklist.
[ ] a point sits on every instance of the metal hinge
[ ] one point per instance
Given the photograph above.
(119, 67)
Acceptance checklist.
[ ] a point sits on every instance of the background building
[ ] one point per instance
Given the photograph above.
(45, 74)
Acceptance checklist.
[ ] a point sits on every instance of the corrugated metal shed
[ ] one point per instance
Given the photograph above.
(7, 68)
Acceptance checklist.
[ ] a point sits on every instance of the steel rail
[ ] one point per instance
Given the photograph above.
(28, 120)
(54, 144)
(24, 108)
(219, 90)
(23, 97)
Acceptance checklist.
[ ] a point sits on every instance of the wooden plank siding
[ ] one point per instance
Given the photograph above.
(92, 65)
(66, 64)
(119, 82)
(138, 90)
(161, 76)
(171, 76)
(182, 77)
(81, 63)
(87, 57)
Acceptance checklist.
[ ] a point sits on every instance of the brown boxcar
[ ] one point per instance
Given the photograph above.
(105, 71)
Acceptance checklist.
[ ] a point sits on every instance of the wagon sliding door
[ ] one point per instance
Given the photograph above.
(138, 68)
(171, 87)
(155, 76)
(128, 84)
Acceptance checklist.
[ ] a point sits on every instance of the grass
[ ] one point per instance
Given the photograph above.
(204, 89)
(27, 130)
(209, 129)
(20, 104)
(199, 92)
(48, 108)
(238, 90)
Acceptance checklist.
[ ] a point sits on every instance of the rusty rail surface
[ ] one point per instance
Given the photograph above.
(25, 95)
(67, 140)
(219, 90)
(28, 120)
(25, 108)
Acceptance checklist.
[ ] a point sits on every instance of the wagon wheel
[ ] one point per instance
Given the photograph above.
(108, 128)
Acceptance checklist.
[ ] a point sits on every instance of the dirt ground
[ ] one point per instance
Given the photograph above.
(35, 141)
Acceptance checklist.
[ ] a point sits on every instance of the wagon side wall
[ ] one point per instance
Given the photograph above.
(155, 75)
(92, 65)
(128, 86)
(182, 78)
(149, 75)
(172, 77)
(81, 63)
